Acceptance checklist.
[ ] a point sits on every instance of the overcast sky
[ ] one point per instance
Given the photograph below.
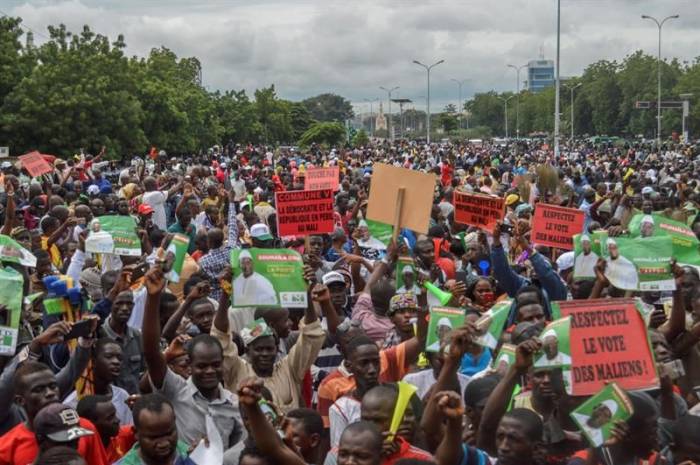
(351, 47)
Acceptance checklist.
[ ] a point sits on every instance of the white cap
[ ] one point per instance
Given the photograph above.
(333, 277)
(585, 238)
(260, 231)
(444, 321)
(244, 254)
(93, 190)
(610, 241)
(565, 261)
(647, 219)
(647, 190)
(611, 405)
(407, 269)
(549, 333)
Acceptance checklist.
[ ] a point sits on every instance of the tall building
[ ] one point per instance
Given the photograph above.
(380, 122)
(540, 75)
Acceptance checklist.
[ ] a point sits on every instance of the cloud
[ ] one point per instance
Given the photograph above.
(306, 47)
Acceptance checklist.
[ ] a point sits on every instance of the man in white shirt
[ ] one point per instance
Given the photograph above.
(620, 271)
(584, 264)
(156, 200)
(251, 288)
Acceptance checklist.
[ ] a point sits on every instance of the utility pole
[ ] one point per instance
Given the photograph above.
(517, 102)
(557, 84)
(389, 126)
(427, 116)
(505, 112)
(371, 115)
(460, 107)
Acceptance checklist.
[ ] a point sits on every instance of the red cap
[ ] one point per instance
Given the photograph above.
(145, 209)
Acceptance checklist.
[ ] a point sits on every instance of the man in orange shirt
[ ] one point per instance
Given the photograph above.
(35, 388)
(102, 413)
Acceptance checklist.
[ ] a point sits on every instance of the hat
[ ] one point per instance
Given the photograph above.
(444, 321)
(565, 261)
(333, 277)
(647, 190)
(93, 190)
(511, 199)
(647, 219)
(145, 209)
(261, 232)
(585, 238)
(405, 301)
(59, 423)
(523, 208)
(6, 165)
(256, 329)
(59, 161)
(407, 269)
(611, 405)
(610, 241)
(244, 254)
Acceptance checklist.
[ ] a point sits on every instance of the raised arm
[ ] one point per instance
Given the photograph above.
(508, 279)
(197, 292)
(155, 361)
(416, 344)
(264, 434)
(9, 209)
(676, 322)
(448, 405)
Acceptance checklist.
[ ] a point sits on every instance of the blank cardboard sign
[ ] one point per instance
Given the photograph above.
(418, 188)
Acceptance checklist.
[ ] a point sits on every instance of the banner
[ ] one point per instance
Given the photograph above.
(380, 231)
(478, 210)
(11, 251)
(490, 325)
(300, 213)
(556, 348)
(178, 247)
(685, 244)
(11, 296)
(596, 417)
(268, 278)
(609, 343)
(504, 359)
(442, 321)
(113, 234)
(639, 264)
(555, 226)
(35, 164)
(322, 178)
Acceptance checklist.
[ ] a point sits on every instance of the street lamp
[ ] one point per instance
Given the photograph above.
(572, 89)
(517, 102)
(686, 113)
(389, 91)
(557, 85)
(371, 115)
(427, 104)
(505, 117)
(460, 108)
(658, 76)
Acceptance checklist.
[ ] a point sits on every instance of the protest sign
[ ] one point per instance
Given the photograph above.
(586, 254)
(555, 226)
(478, 210)
(385, 205)
(300, 213)
(380, 231)
(639, 264)
(11, 296)
(685, 244)
(11, 251)
(113, 234)
(35, 164)
(442, 321)
(406, 276)
(268, 278)
(609, 343)
(556, 349)
(504, 359)
(322, 178)
(4, 152)
(489, 326)
(178, 247)
(597, 415)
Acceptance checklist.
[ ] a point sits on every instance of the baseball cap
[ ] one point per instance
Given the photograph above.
(6, 165)
(333, 277)
(59, 423)
(405, 301)
(145, 209)
(260, 232)
(647, 190)
(93, 190)
(511, 199)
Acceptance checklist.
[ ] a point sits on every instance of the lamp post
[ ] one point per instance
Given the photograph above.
(427, 100)
(572, 89)
(371, 115)
(557, 85)
(505, 113)
(659, 24)
(460, 108)
(389, 125)
(686, 113)
(517, 102)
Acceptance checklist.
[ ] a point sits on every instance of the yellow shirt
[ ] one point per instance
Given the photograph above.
(53, 251)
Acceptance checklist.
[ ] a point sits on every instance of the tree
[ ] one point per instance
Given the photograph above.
(361, 139)
(329, 107)
(274, 116)
(448, 121)
(301, 119)
(329, 134)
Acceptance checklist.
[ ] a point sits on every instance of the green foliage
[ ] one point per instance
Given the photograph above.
(361, 139)
(329, 107)
(448, 121)
(301, 119)
(328, 134)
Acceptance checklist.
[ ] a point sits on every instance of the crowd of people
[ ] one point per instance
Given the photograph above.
(141, 367)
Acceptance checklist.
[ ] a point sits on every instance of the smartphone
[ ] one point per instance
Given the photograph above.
(82, 328)
(268, 411)
(139, 271)
(507, 228)
(674, 369)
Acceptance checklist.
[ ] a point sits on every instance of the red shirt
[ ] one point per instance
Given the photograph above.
(121, 443)
(19, 447)
(406, 451)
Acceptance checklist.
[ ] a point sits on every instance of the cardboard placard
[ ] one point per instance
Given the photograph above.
(608, 343)
(322, 178)
(556, 226)
(300, 213)
(478, 210)
(419, 189)
(4, 152)
(35, 164)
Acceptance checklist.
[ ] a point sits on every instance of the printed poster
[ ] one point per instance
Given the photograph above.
(406, 276)
(268, 278)
(178, 247)
(11, 251)
(556, 349)
(596, 417)
(11, 296)
(113, 234)
(442, 321)
(490, 325)
(685, 244)
(639, 264)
